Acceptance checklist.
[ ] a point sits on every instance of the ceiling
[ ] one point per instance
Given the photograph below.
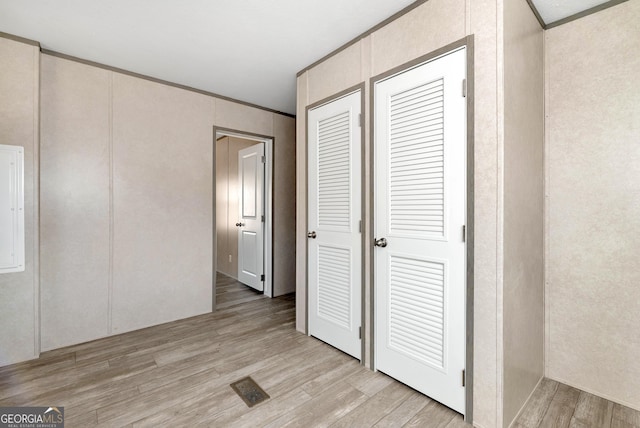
(554, 10)
(249, 50)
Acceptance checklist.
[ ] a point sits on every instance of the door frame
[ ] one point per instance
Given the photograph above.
(269, 142)
(359, 87)
(468, 43)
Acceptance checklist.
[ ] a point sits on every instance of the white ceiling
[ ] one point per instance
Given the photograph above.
(249, 50)
(554, 10)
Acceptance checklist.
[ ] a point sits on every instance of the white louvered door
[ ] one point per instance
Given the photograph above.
(420, 210)
(334, 211)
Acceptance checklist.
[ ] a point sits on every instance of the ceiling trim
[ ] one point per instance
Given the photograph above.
(19, 39)
(537, 14)
(363, 35)
(582, 14)
(160, 81)
(573, 17)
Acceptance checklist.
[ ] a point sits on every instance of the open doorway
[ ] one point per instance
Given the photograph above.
(243, 211)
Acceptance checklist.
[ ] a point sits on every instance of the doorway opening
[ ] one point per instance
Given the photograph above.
(243, 195)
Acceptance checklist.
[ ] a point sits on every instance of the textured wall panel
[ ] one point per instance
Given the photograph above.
(593, 211)
(75, 223)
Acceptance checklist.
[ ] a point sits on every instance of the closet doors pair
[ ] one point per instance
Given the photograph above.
(419, 217)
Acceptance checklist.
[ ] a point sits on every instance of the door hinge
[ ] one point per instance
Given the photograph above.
(262, 159)
(262, 278)
(262, 218)
(464, 88)
(360, 226)
(360, 119)
(359, 332)
(464, 233)
(464, 378)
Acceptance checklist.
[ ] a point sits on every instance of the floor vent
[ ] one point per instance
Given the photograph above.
(249, 391)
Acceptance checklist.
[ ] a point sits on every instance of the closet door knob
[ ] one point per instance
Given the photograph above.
(311, 235)
(382, 242)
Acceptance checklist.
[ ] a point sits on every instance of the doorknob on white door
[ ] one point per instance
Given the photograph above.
(239, 224)
(311, 234)
(382, 242)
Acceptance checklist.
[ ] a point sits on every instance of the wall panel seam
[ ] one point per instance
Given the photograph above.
(500, 214)
(111, 212)
(547, 176)
(36, 201)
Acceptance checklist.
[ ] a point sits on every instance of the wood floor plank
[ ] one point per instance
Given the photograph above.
(592, 410)
(89, 419)
(324, 409)
(624, 415)
(534, 412)
(325, 379)
(561, 408)
(432, 415)
(369, 382)
(404, 412)
(379, 406)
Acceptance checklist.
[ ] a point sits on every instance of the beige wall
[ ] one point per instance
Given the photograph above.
(284, 205)
(19, 120)
(593, 211)
(523, 268)
(74, 202)
(430, 26)
(227, 209)
(162, 203)
(128, 210)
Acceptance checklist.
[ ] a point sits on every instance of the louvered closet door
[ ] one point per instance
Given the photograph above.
(420, 209)
(334, 210)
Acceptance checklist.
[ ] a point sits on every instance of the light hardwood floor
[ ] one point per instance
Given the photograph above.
(178, 374)
(557, 405)
(229, 292)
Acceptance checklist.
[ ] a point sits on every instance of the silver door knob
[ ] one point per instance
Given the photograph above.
(239, 224)
(311, 235)
(382, 242)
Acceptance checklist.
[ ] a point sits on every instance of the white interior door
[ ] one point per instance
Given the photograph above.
(420, 212)
(334, 214)
(251, 216)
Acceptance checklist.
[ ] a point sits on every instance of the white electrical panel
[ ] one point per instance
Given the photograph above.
(11, 209)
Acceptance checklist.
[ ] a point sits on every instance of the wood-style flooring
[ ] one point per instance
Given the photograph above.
(229, 292)
(557, 405)
(178, 374)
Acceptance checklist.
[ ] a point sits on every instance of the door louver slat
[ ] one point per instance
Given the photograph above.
(416, 160)
(416, 309)
(334, 179)
(334, 284)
